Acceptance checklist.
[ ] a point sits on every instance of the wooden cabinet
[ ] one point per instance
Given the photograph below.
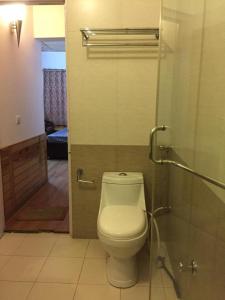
(24, 171)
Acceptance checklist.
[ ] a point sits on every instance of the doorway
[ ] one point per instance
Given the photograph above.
(38, 164)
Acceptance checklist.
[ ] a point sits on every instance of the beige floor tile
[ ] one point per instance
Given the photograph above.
(9, 243)
(61, 270)
(63, 235)
(157, 279)
(94, 271)
(95, 250)
(170, 294)
(15, 234)
(3, 261)
(97, 292)
(167, 282)
(19, 268)
(43, 235)
(68, 247)
(14, 290)
(35, 246)
(52, 291)
(136, 292)
(157, 293)
(143, 271)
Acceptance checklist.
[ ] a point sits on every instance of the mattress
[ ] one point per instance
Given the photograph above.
(59, 136)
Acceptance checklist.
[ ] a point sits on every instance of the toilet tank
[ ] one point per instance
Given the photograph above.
(123, 188)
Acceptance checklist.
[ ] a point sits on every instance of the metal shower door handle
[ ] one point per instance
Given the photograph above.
(176, 164)
(152, 140)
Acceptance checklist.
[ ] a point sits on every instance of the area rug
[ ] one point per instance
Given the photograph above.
(42, 214)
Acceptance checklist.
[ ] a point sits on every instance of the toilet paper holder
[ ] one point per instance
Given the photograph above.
(80, 173)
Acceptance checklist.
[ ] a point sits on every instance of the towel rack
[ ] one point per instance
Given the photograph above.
(174, 163)
(96, 37)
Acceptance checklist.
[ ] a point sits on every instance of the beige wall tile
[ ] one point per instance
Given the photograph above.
(220, 264)
(137, 81)
(210, 127)
(195, 230)
(149, 15)
(108, 86)
(205, 208)
(93, 14)
(221, 222)
(180, 192)
(95, 160)
(200, 240)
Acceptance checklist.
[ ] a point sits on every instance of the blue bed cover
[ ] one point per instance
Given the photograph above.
(59, 136)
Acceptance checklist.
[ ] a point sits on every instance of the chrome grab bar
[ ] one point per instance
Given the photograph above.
(174, 163)
(80, 172)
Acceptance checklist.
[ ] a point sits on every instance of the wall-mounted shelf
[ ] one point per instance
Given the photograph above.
(120, 37)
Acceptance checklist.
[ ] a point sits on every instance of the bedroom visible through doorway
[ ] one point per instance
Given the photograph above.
(48, 208)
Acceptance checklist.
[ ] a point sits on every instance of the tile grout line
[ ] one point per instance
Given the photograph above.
(50, 251)
(46, 258)
(22, 240)
(86, 251)
(78, 280)
(2, 267)
(28, 295)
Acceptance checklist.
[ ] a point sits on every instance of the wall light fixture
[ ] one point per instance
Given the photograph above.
(14, 15)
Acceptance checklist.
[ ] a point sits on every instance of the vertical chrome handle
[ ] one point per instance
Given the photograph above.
(151, 142)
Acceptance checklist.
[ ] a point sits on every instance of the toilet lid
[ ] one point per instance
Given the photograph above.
(122, 221)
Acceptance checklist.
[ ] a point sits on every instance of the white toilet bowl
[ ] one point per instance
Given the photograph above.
(122, 225)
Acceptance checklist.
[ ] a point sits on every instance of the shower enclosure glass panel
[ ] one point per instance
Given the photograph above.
(191, 93)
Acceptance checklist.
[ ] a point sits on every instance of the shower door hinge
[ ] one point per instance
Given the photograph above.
(193, 267)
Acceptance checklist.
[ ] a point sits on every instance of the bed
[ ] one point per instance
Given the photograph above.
(57, 144)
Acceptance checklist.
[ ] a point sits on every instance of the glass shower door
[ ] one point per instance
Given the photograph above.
(188, 261)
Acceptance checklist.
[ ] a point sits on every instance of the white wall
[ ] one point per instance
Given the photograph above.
(112, 95)
(53, 60)
(20, 84)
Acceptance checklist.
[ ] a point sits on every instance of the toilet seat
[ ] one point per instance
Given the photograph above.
(122, 221)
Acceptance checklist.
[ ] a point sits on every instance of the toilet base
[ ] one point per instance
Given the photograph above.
(122, 273)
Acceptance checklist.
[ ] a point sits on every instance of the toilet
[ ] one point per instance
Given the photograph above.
(122, 225)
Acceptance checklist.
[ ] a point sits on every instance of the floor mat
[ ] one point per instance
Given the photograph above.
(42, 214)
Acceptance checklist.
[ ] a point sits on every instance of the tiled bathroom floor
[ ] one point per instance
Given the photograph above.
(55, 266)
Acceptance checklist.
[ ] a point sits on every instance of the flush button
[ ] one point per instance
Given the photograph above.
(122, 174)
